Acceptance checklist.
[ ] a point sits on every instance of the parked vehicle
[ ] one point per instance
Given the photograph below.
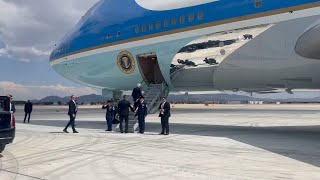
(7, 123)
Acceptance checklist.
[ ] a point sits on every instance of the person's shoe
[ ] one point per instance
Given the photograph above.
(75, 132)
(161, 133)
(65, 131)
(166, 134)
(121, 131)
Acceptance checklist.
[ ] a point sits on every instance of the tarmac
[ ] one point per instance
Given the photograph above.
(205, 142)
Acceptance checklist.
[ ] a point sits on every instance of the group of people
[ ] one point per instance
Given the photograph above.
(123, 108)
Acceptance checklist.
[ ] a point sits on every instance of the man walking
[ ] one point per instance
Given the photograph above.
(136, 94)
(72, 113)
(142, 112)
(164, 109)
(123, 111)
(27, 111)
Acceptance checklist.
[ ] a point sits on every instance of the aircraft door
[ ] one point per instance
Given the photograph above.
(150, 69)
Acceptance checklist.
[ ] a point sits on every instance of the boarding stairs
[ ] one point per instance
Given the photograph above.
(152, 94)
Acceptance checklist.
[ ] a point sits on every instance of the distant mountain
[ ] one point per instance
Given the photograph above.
(54, 99)
(91, 98)
(178, 98)
(81, 99)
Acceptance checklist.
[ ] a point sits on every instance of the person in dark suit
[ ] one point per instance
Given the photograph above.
(136, 94)
(73, 109)
(164, 109)
(109, 114)
(123, 111)
(27, 111)
(12, 106)
(141, 112)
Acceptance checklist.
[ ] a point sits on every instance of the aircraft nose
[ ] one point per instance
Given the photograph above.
(308, 45)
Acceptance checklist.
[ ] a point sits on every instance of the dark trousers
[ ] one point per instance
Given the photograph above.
(109, 124)
(141, 124)
(126, 119)
(136, 104)
(165, 125)
(25, 116)
(71, 123)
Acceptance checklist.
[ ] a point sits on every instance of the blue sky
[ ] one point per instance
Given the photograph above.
(28, 32)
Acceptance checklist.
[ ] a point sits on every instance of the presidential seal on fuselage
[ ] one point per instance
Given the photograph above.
(125, 62)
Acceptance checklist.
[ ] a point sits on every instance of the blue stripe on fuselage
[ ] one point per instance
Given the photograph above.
(112, 16)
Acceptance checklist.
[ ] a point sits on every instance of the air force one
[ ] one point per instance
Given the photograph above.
(194, 45)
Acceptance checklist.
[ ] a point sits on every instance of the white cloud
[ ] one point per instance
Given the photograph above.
(24, 92)
(31, 28)
(3, 51)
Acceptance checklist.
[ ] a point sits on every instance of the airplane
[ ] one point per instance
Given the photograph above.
(191, 45)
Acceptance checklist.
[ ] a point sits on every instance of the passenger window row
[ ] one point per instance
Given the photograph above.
(144, 28)
(166, 23)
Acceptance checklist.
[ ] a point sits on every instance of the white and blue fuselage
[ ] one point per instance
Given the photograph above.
(89, 53)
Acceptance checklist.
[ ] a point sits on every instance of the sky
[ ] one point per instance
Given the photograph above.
(28, 31)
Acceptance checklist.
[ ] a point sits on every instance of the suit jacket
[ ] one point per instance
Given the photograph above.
(28, 107)
(123, 108)
(72, 108)
(136, 93)
(166, 108)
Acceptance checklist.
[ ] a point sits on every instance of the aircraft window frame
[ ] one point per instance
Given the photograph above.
(258, 3)
(191, 17)
(182, 19)
(158, 25)
(118, 34)
(174, 21)
(150, 27)
(143, 28)
(108, 36)
(200, 15)
(165, 23)
(137, 29)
